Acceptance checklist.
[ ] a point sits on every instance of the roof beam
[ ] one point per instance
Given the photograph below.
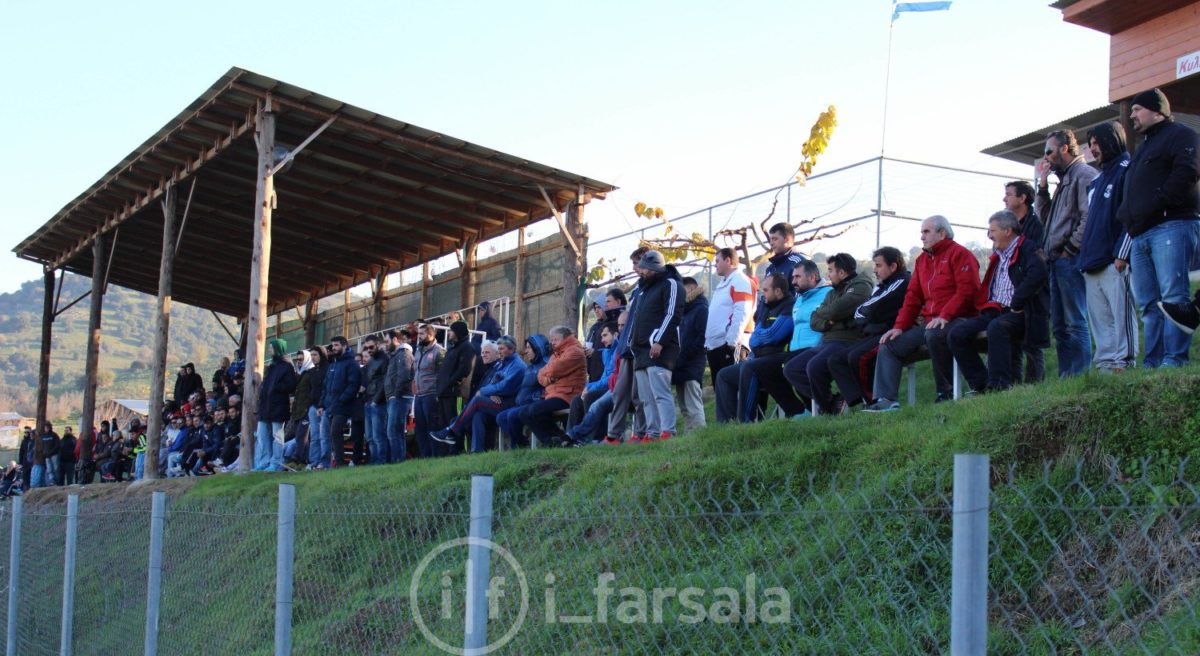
(156, 192)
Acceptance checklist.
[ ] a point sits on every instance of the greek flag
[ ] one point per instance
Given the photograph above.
(902, 7)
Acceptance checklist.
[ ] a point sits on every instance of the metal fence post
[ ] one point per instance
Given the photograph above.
(283, 569)
(478, 564)
(158, 516)
(68, 598)
(14, 576)
(969, 577)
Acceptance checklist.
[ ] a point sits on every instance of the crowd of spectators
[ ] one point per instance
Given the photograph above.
(1114, 241)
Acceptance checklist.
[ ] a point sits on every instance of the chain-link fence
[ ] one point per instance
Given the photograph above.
(1096, 559)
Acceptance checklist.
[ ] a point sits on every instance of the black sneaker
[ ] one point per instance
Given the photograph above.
(1185, 316)
(444, 436)
(943, 397)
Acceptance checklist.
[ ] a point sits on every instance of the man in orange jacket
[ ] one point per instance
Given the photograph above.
(564, 378)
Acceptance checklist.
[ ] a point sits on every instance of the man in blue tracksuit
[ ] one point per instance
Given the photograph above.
(342, 381)
(1104, 255)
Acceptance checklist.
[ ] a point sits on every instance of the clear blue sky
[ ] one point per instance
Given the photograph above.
(681, 104)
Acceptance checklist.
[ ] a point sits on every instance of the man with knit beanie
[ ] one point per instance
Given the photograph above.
(274, 408)
(1160, 210)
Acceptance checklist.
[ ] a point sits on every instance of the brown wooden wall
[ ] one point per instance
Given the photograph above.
(1143, 56)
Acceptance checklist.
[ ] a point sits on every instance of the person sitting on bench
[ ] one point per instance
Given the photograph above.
(943, 288)
(1012, 304)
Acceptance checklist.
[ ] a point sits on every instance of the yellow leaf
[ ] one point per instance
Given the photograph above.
(658, 212)
(640, 208)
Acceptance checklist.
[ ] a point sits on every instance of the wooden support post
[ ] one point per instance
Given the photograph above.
(469, 275)
(1126, 122)
(278, 325)
(43, 389)
(346, 313)
(92, 354)
(310, 322)
(574, 261)
(162, 333)
(425, 290)
(519, 287)
(260, 270)
(380, 301)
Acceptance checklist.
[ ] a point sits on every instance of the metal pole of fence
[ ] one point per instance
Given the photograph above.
(708, 267)
(283, 569)
(478, 564)
(14, 572)
(158, 518)
(879, 197)
(68, 598)
(969, 566)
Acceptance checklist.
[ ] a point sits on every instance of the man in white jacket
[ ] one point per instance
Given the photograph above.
(730, 313)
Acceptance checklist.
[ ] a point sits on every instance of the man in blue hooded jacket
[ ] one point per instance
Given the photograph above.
(537, 353)
(1104, 255)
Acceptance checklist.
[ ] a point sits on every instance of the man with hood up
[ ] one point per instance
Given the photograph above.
(454, 379)
(563, 378)
(274, 408)
(302, 431)
(655, 342)
(1104, 255)
(187, 382)
(537, 352)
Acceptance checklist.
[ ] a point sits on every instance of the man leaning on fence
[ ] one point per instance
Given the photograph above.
(1012, 308)
(944, 284)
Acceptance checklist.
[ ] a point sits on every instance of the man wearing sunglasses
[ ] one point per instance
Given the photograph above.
(1065, 214)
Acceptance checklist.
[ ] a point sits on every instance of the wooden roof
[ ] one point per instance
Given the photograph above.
(369, 195)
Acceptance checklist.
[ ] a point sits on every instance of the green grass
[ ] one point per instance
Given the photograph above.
(863, 554)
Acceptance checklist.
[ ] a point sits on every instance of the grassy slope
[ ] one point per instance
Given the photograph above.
(865, 571)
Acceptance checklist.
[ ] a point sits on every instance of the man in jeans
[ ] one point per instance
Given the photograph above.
(1160, 211)
(655, 343)
(398, 388)
(943, 289)
(341, 387)
(375, 412)
(1066, 219)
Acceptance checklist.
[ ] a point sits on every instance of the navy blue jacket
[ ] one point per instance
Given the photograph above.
(1104, 236)
(692, 355)
(279, 381)
(530, 389)
(504, 379)
(342, 381)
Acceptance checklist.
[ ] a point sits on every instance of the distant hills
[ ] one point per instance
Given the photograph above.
(126, 346)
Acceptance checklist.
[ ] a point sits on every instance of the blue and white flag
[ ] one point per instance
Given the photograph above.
(902, 7)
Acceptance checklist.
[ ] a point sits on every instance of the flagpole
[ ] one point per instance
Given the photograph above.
(887, 80)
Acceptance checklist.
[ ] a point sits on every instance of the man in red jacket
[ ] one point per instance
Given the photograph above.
(944, 285)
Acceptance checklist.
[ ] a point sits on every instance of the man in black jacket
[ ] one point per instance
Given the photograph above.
(1012, 304)
(398, 388)
(689, 372)
(375, 409)
(1160, 211)
(50, 444)
(854, 371)
(454, 379)
(274, 408)
(655, 342)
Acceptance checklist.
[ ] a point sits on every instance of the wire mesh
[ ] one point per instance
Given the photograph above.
(1100, 558)
(218, 579)
(112, 551)
(39, 604)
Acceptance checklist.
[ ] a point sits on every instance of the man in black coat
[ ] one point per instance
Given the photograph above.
(375, 409)
(689, 371)
(1013, 307)
(454, 379)
(274, 408)
(655, 342)
(1160, 209)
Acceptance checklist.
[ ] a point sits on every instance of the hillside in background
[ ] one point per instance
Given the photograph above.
(126, 346)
